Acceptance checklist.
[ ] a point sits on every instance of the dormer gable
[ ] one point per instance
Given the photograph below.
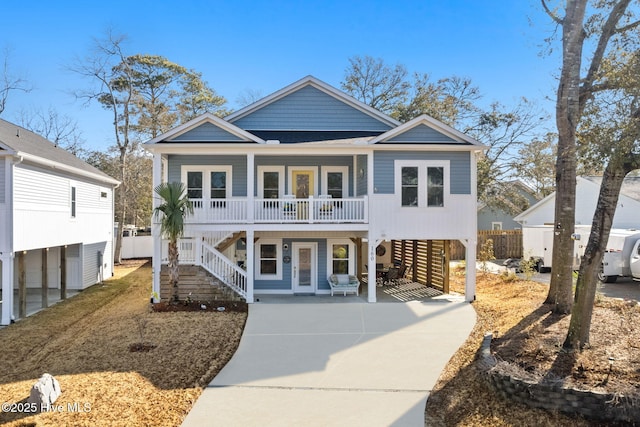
(311, 105)
(425, 130)
(207, 128)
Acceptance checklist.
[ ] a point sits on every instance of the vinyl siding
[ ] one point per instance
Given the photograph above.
(460, 173)
(310, 109)
(316, 161)
(2, 172)
(207, 132)
(421, 133)
(361, 184)
(91, 261)
(32, 185)
(286, 282)
(238, 171)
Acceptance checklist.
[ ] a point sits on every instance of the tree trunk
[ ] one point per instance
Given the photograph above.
(174, 271)
(567, 118)
(121, 206)
(580, 324)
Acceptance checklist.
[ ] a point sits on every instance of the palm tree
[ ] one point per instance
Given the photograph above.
(173, 211)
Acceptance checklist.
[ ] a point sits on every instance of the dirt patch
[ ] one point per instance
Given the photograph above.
(85, 342)
(530, 339)
(217, 306)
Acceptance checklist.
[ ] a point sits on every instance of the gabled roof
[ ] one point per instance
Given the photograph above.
(422, 127)
(181, 133)
(320, 85)
(21, 142)
(630, 188)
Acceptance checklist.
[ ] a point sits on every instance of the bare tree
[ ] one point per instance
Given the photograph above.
(574, 91)
(62, 130)
(107, 67)
(376, 84)
(9, 82)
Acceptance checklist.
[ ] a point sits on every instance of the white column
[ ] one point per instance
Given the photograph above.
(250, 187)
(7, 289)
(155, 230)
(371, 268)
(250, 264)
(470, 282)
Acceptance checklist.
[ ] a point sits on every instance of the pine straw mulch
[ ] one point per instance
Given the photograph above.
(529, 338)
(84, 342)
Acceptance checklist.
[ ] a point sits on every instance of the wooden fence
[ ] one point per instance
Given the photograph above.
(506, 244)
(428, 261)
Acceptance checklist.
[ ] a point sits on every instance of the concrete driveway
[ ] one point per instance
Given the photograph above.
(353, 364)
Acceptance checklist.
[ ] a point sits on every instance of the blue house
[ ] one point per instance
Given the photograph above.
(308, 182)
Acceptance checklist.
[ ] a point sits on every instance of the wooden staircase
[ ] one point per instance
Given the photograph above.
(197, 284)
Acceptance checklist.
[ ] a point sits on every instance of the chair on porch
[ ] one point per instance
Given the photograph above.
(344, 283)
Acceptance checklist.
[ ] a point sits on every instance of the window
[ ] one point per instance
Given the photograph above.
(335, 181)
(268, 260)
(208, 182)
(410, 186)
(218, 185)
(435, 186)
(496, 226)
(268, 253)
(73, 202)
(422, 183)
(334, 184)
(341, 257)
(194, 185)
(271, 185)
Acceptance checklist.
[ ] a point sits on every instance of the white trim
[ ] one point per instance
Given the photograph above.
(207, 118)
(279, 265)
(206, 177)
(281, 179)
(422, 166)
(313, 169)
(66, 168)
(352, 254)
(345, 178)
(498, 223)
(433, 124)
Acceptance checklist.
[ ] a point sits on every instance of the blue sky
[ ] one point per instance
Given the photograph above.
(241, 45)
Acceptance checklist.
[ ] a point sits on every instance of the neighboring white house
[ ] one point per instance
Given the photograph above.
(55, 210)
(538, 221)
(302, 177)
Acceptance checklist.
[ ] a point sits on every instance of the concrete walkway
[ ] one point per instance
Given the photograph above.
(354, 364)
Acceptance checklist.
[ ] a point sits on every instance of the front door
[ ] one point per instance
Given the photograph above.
(635, 261)
(303, 183)
(303, 268)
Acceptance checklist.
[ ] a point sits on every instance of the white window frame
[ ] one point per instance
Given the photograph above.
(352, 254)
(261, 171)
(496, 225)
(73, 200)
(422, 166)
(326, 170)
(313, 169)
(279, 266)
(206, 178)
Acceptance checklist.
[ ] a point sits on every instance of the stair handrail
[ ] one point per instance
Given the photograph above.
(224, 269)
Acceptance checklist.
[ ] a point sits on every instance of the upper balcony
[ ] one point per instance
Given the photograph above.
(312, 210)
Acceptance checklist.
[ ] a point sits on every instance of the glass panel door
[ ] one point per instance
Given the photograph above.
(303, 268)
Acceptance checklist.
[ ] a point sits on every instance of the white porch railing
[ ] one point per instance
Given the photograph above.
(186, 250)
(224, 270)
(219, 211)
(282, 210)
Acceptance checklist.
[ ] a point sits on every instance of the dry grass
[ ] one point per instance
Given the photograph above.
(84, 343)
(528, 336)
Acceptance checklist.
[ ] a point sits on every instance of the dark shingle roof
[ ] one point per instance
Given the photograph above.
(23, 141)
